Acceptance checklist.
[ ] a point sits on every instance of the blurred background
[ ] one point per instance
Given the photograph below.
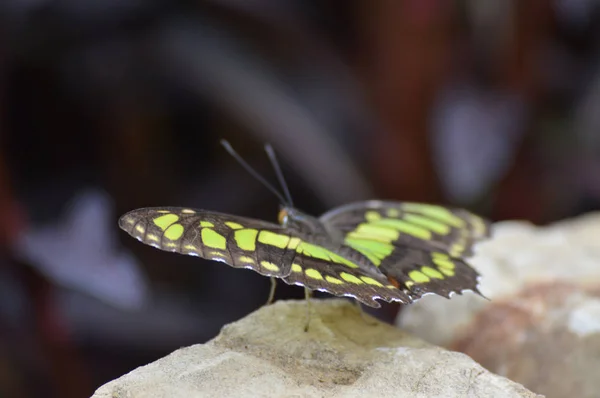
(109, 105)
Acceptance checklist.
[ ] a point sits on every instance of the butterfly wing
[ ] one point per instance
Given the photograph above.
(266, 248)
(342, 274)
(426, 226)
(237, 241)
(419, 247)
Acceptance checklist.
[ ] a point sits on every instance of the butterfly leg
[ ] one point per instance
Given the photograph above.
(272, 291)
(307, 296)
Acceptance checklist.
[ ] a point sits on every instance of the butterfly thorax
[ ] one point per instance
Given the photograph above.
(310, 227)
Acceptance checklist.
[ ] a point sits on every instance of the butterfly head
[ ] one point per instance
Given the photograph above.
(296, 220)
(290, 217)
(283, 216)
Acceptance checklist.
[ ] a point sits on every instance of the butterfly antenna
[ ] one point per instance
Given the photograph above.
(250, 170)
(275, 163)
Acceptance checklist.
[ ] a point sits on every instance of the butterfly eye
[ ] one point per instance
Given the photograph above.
(282, 217)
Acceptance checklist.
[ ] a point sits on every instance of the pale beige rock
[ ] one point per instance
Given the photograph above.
(268, 354)
(519, 254)
(550, 339)
(542, 326)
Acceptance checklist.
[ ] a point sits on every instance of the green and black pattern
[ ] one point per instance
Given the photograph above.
(392, 251)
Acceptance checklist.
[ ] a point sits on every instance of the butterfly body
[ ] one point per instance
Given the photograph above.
(393, 251)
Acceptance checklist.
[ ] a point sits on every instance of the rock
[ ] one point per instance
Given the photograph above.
(268, 354)
(550, 339)
(544, 313)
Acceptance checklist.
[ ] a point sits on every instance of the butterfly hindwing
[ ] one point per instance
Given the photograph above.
(237, 241)
(320, 269)
(423, 272)
(419, 247)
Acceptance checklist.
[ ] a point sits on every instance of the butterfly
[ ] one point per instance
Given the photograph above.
(371, 250)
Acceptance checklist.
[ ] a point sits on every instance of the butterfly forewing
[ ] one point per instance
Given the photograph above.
(423, 226)
(237, 241)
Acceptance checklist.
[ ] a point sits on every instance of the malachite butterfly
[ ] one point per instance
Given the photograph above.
(391, 251)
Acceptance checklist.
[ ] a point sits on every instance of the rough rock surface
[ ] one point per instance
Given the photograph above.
(268, 354)
(544, 286)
